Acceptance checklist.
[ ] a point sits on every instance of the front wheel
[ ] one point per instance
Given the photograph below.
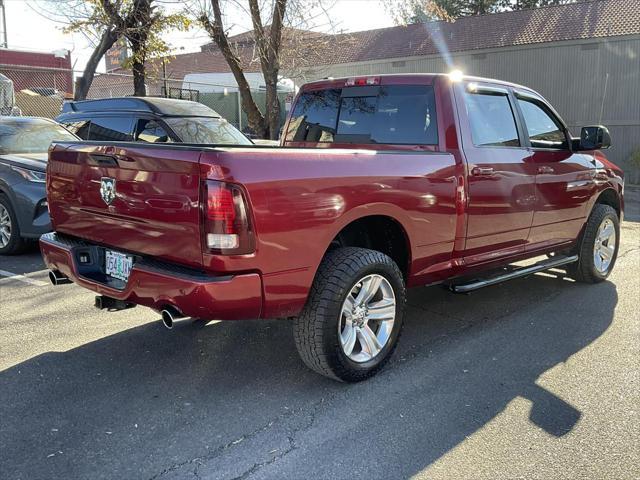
(10, 241)
(350, 326)
(599, 246)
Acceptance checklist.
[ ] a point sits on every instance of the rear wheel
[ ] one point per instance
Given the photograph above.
(10, 241)
(599, 246)
(353, 317)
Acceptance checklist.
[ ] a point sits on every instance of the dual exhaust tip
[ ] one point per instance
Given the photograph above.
(58, 278)
(170, 314)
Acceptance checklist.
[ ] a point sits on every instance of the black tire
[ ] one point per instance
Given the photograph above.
(316, 330)
(16, 243)
(584, 270)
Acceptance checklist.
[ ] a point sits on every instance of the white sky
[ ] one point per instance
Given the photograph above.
(29, 30)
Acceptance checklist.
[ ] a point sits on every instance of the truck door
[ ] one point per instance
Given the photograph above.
(564, 180)
(501, 180)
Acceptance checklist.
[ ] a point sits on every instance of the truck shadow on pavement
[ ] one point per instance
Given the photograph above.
(233, 399)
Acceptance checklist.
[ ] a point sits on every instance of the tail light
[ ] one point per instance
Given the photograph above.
(227, 224)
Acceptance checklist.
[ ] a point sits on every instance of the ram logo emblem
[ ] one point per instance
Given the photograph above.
(108, 189)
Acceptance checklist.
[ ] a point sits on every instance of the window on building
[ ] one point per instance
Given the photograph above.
(491, 120)
(544, 130)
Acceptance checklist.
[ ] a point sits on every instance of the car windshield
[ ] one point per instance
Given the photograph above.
(23, 135)
(207, 130)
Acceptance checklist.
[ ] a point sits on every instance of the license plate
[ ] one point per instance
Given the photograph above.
(118, 265)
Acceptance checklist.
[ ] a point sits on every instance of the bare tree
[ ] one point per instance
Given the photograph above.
(83, 83)
(216, 31)
(280, 39)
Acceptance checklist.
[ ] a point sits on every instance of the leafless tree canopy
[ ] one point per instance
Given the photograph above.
(279, 36)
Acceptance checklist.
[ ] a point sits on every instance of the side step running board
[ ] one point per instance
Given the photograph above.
(517, 273)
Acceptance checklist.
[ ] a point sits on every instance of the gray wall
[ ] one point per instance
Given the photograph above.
(572, 75)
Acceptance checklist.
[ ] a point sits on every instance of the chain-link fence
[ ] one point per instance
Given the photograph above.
(38, 91)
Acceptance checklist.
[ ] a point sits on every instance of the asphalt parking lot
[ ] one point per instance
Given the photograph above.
(537, 378)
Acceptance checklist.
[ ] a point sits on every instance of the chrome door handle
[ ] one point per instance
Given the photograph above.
(482, 171)
(545, 169)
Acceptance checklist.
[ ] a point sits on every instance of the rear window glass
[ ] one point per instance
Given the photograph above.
(110, 129)
(315, 116)
(209, 130)
(79, 127)
(151, 131)
(399, 114)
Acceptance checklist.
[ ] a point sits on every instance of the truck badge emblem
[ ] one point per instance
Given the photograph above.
(108, 189)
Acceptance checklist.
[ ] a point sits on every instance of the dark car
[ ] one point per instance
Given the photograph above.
(24, 142)
(148, 119)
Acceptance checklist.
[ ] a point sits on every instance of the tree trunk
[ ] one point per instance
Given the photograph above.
(138, 24)
(272, 106)
(215, 30)
(269, 53)
(83, 83)
(138, 70)
(139, 87)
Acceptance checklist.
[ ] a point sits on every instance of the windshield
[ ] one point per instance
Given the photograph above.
(207, 130)
(30, 135)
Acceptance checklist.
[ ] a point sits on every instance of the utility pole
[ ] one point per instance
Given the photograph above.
(164, 77)
(4, 25)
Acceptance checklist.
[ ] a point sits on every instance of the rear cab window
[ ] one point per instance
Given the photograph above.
(391, 115)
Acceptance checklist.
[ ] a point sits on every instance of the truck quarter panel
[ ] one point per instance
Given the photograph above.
(302, 198)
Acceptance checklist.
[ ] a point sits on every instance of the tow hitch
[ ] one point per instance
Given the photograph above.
(112, 304)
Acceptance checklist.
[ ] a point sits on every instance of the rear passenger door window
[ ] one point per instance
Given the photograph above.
(543, 128)
(151, 131)
(491, 119)
(111, 129)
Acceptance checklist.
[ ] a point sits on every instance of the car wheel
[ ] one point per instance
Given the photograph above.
(598, 249)
(351, 323)
(10, 241)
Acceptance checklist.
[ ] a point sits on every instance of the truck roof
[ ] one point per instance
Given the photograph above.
(155, 105)
(406, 78)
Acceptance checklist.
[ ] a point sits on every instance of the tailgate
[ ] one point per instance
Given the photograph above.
(140, 199)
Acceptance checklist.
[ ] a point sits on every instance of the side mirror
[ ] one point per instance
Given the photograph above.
(594, 138)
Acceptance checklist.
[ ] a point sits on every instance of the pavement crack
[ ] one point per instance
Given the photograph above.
(627, 252)
(312, 413)
(212, 455)
(257, 466)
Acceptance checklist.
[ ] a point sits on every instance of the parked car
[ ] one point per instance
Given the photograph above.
(148, 119)
(421, 179)
(23, 158)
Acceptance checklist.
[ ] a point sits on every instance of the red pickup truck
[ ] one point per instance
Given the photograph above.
(380, 183)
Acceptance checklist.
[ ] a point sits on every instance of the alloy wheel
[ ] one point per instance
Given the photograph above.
(5, 226)
(604, 246)
(366, 318)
